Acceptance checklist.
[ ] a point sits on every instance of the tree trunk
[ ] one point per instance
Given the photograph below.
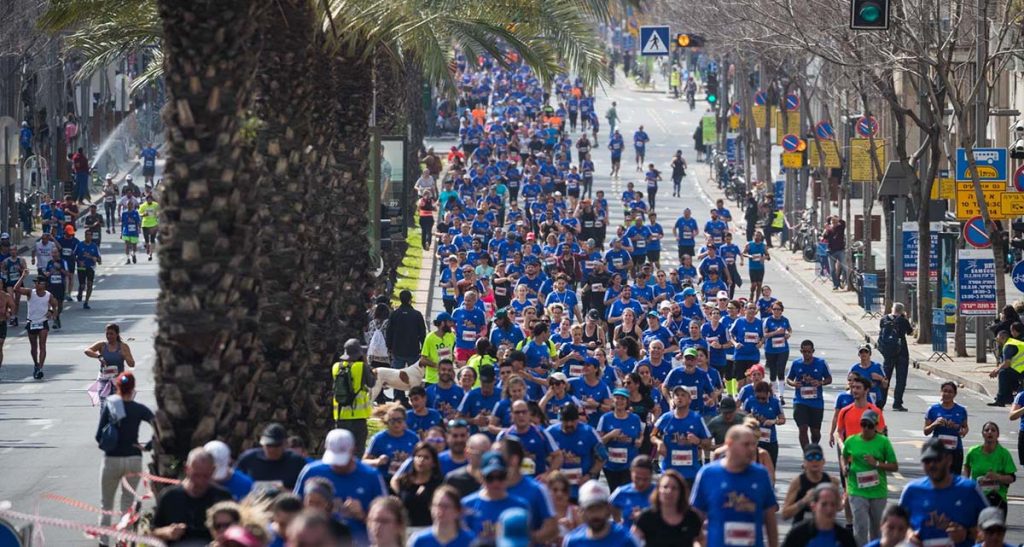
(284, 107)
(207, 341)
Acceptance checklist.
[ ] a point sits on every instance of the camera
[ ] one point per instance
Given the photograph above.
(1017, 149)
(1018, 129)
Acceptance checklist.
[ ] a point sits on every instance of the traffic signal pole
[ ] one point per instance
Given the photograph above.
(981, 136)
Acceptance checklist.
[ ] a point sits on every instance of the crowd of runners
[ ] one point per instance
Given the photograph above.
(576, 392)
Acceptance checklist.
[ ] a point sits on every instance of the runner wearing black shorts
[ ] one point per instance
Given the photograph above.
(55, 276)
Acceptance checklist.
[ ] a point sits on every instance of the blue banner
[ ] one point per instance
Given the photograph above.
(869, 292)
(976, 283)
(939, 330)
(730, 148)
(911, 248)
(780, 194)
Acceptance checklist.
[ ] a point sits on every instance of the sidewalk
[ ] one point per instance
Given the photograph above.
(963, 370)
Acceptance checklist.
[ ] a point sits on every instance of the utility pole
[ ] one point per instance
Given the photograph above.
(981, 134)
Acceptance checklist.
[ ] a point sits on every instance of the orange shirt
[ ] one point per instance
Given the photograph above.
(479, 114)
(848, 422)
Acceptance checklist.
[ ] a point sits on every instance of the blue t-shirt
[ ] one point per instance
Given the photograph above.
(130, 222)
(555, 404)
(420, 424)
(804, 372)
(364, 483)
(481, 516)
(239, 484)
(577, 451)
(630, 501)
(660, 371)
(475, 403)
(769, 410)
(698, 383)
(426, 538)
(756, 252)
(148, 158)
(874, 368)
(716, 356)
(512, 336)
(932, 510)
(583, 391)
(445, 401)
(620, 453)
(536, 496)
(746, 335)
(686, 230)
(950, 435)
(537, 444)
(467, 326)
(618, 536)
(90, 249)
(778, 343)
(734, 503)
(681, 455)
(397, 450)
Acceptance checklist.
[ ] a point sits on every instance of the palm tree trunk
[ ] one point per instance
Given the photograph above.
(207, 310)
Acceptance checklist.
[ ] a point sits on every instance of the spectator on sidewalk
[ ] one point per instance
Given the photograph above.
(1010, 354)
(835, 237)
(892, 339)
(80, 168)
(404, 335)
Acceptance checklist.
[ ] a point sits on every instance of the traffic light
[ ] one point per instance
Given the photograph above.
(711, 88)
(869, 14)
(689, 40)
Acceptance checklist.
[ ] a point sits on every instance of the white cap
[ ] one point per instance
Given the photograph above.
(560, 376)
(221, 459)
(110, 176)
(338, 447)
(593, 493)
(723, 294)
(665, 305)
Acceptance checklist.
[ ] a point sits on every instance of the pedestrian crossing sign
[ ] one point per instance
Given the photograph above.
(654, 40)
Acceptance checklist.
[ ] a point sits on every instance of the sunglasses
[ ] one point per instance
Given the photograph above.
(395, 420)
(435, 440)
(814, 457)
(220, 526)
(457, 423)
(867, 425)
(494, 477)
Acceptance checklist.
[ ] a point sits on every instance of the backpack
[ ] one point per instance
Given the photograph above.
(888, 338)
(110, 434)
(345, 390)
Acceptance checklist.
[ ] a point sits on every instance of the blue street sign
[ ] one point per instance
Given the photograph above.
(1018, 276)
(911, 249)
(790, 143)
(792, 102)
(976, 234)
(869, 291)
(976, 283)
(824, 131)
(991, 164)
(654, 41)
(867, 126)
(760, 98)
(730, 147)
(939, 330)
(780, 190)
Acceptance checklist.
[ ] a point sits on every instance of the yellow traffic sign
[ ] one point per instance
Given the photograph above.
(1003, 203)
(792, 160)
(943, 188)
(790, 123)
(734, 121)
(831, 150)
(759, 113)
(862, 167)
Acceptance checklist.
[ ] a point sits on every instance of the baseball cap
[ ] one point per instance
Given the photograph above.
(622, 392)
(592, 361)
(594, 315)
(444, 316)
(274, 434)
(559, 377)
(593, 493)
(338, 447)
(813, 452)
(492, 462)
(690, 352)
(864, 347)
(653, 314)
(727, 404)
(221, 454)
(688, 291)
(513, 528)
(991, 517)
(869, 416)
(501, 314)
(722, 294)
(933, 448)
(665, 305)
(487, 373)
(680, 387)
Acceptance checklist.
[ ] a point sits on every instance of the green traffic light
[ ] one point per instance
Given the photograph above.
(712, 98)
(870, 12)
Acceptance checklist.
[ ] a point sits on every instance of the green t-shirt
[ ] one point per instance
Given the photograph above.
(862, 479)
(436, 348)
(981, 463)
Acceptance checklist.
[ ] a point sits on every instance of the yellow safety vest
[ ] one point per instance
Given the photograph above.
(1017, 362)
(779, 221)
(362, 406)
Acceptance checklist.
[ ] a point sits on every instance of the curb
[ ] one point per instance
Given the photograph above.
(918, 360)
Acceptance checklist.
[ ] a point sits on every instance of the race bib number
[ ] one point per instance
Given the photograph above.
(950, 441)
(808, 392)
(590, 264)
(938, 542)
(693, 391)
(617, 262)
(750, 337)
(575, 370)
(469, 336)
(65, 252)
(756, 258)
(718, 239)
(740, 533)
(766, 435)
(528, 467)
(618, 455)
(444, 353)
(779, 342)
(868, 479)
(730, 260)
(588, 223)
(500, 291)
(687, 234)
(640, 243)
(573, 474)
(682, 458)
(987, 484)
(597, 287)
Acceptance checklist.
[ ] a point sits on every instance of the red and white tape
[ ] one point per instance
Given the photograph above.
(7, 513)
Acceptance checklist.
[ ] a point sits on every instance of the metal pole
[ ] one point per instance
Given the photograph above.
(981, 136)
(4, 213)
(374, 219)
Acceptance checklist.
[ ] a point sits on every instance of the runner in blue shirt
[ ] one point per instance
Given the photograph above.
(680, 435)
(807, 376)
(947, 421)
(633, 497)
(943, 506)
(131, 224)
(685, 230)
(481, 510)
(654, 242)
(598, 530)
(735, 495)
(715, 228)
(766, 408)
(592, 391)
(419, 418)
(539, 447)
(747, 336)
(871, 370)
(387, 449)
(582, 451)
(640, 140)
(695, 380)
(777, 331)
(446, 529)
(616, 145)
(621, 431)
(470, 324)
(757, 253)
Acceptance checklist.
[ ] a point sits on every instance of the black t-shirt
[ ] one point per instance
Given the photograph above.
(657, 532)
(254, 462)
(416, 499)
(463, 481)
(127, 428)
(176, 506)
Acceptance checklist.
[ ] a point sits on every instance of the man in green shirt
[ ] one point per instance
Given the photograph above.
(439, 344)
(869, 457)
